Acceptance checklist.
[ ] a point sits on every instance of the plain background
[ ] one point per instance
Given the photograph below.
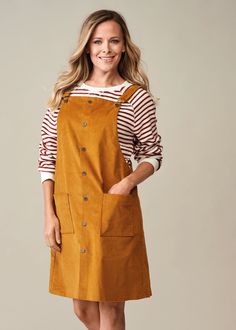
(188, 49)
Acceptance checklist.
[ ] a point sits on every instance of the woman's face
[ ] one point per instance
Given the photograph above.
(106, 46)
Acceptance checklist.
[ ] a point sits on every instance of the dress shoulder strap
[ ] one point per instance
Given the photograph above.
(128, 93)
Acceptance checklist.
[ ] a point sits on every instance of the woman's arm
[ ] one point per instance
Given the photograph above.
(51, 222)
(141, 173)
(46, 167)
(48, 145)
(147, 145)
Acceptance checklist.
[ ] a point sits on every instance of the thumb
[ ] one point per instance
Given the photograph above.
(57, 235)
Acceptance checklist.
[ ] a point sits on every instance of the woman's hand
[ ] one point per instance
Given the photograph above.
(122, 187)
(52, 231)
(141, 173)
(51, 222)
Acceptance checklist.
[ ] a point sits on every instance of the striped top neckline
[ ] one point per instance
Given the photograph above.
(110, 88)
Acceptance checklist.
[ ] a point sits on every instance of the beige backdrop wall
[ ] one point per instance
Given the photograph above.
(189, 205)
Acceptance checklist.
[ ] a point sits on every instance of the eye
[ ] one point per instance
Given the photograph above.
(99, 42)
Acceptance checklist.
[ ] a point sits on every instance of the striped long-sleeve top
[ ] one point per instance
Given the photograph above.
(136, 127)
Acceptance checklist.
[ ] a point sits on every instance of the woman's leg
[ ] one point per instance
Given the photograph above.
(88, 313)
(112, 315)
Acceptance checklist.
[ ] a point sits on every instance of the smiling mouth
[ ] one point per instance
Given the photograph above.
(107, 58)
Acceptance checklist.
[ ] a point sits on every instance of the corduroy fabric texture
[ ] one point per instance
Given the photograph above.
(103, 252)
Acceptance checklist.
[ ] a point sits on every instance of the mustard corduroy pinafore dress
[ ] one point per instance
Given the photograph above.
(103, 252)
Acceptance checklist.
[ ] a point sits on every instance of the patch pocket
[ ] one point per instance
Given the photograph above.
(117, 217)
(63, 212)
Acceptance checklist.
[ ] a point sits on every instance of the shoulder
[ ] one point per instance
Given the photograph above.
(142, 99)
(52, 113)
(50, 116)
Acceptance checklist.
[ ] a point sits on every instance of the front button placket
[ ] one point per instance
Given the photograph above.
(86, 197)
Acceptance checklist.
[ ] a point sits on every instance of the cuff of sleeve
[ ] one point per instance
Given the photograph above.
(152, 161)
(47, 175)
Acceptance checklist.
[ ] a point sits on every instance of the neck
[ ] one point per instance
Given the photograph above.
(104, 80)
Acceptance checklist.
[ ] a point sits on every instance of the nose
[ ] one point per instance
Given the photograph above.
(106, 48)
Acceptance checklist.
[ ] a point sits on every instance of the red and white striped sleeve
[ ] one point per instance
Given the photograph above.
(48, 146)
(147, 144)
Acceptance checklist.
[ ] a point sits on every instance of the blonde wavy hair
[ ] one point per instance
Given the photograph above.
(80, 64)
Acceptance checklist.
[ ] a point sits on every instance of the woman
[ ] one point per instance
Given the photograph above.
(100, 113)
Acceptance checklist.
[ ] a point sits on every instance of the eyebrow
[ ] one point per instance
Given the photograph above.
(110, 38)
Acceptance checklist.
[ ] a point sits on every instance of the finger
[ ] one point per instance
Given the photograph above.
(54, 243)
(58, 235)
(56, 247)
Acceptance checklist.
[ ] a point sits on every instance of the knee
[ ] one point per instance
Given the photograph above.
(87, 312)
(81, 309)
(81, 313)
(114, 309)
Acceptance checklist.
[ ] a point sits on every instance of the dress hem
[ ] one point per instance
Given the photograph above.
(66, 295)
